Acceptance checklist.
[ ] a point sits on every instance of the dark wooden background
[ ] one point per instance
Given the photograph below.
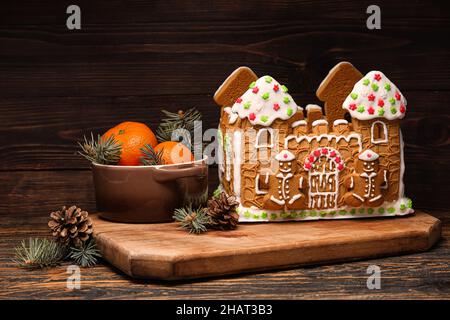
(133, 58)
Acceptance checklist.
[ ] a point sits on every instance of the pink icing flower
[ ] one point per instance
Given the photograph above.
(377, 76)
(371, 97)
(276, 106)
(252, 116)
(255, 90)
(238, 100)
(352, 106)
(380, 103)
(276, 87)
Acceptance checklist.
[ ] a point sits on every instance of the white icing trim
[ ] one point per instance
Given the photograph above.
(300, 182)
(339, 121)
(299, 123)
(358, 197)
(257, 190)
(294, 198)
(237, 150)
(376, 198)
(269, 136)
(277, 201)
(401, 188)
(228, 156)
(329, 137)
(385, 133)
(319, 122)
(352, 182)
(386, 182)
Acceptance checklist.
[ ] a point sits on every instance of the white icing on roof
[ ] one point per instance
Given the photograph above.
(264, 101)
(375, 96)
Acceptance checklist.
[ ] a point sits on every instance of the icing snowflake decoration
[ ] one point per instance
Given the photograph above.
(375, 96)
(264, 101)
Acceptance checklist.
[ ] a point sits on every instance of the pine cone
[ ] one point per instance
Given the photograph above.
(222, 212)
(71, 226)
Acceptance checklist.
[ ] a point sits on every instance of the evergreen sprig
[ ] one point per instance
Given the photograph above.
(192, 220)
(151, 157)
(101, 151)
(39, 253)
(85, 255)
(173, 121)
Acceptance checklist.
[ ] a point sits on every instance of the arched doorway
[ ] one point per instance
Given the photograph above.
(323, 166)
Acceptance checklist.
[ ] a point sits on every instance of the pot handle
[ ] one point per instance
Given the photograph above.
(170, 175)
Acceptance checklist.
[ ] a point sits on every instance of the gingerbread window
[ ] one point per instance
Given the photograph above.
(264, 138)
(378, 132)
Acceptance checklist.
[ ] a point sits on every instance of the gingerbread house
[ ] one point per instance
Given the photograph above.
(285, 162)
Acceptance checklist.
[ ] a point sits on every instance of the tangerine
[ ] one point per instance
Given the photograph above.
(133, 136)
(174, 152)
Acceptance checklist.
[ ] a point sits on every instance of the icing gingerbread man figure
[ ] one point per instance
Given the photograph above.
(366, 183)
(284, 186)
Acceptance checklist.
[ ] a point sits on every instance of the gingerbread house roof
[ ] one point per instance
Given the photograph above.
(375, 96)
(264, 101)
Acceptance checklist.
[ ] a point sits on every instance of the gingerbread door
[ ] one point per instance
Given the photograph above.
(323, 165)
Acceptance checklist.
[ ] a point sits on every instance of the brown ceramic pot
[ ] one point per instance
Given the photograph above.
(144, 194)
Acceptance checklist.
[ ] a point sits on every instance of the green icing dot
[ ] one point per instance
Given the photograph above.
(302, 214)
(387, 86)
(354, 96)
(343, 212)
(247, 105)
(255, 216)
(403, 207)
(264, 118)
(366, 82)
(286, 100)
(313, 213)
(392, 101)
(265, 96)
(290, 112)
(393, 110)
(268, 79)
(353, 211)
(273, 216)
(381, 210)
(332, 213)
(323, 213)
(294, 215)
(361, 210)
(374, 87)
(252, 85)
(285, 215)
(360, 109)
(264, 215)
(247, 214)
(391, 210)
(409, 203)
(380, 112)
(370, 210)
(284, 88)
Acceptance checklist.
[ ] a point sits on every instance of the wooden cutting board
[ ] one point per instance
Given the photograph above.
(163, 251)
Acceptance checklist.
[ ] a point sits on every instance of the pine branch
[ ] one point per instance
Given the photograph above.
(151, 157)
(101, 151)
(86, 255)
(39, 253)
(180, 120)
(192, 220)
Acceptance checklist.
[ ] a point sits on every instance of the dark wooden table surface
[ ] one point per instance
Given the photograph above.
(133, 58)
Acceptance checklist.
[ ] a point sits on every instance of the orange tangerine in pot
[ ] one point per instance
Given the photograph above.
(133, 136)
(174, 152)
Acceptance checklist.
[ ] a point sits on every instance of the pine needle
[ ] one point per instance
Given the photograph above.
(151, 157)
(192, 220)
(39, 253)
(101, 151)
(173, 121)
(85, 255)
